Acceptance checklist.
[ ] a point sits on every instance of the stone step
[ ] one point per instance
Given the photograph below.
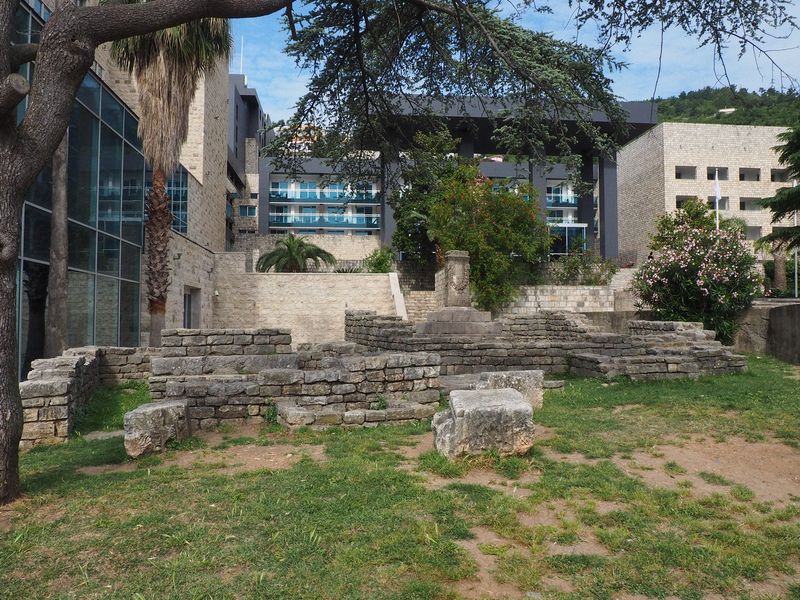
(296, 416)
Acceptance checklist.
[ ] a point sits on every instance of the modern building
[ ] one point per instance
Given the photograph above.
(248, 127)
(318, 202)
(666, 165)
(107, 181)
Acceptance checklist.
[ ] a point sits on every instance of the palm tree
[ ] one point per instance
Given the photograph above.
(291, 255)
(168, 66)
(786, 202)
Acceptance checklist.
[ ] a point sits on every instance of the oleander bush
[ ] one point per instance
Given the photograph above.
(696, 272)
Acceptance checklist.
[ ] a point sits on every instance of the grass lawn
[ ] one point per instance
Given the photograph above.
(108, 406)
(636, 490)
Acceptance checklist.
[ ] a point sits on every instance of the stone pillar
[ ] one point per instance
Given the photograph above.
(456, 275)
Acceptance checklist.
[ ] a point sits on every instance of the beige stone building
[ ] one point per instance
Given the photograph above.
(672, 162)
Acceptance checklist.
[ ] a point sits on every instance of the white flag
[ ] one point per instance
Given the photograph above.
(718, 194)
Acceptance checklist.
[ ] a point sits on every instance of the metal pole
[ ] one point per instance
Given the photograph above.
(794, 184)
(717, 194)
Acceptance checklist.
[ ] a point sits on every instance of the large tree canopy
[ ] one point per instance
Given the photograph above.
(371, 59)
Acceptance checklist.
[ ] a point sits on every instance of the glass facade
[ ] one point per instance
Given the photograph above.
(105, 194)
(178, 192)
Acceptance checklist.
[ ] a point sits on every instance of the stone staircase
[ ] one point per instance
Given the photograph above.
(419, 304)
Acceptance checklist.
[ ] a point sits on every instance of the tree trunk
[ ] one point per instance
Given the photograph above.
(157, 230)
(10, 405)
(55, 340)
(779, 280)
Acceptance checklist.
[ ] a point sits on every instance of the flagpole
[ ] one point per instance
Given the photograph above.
(717, 194)
(794, 184)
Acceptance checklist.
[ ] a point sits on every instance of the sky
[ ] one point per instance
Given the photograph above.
(684, 66)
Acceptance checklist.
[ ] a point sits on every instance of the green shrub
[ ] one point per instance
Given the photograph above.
(698, 273)
(380, 261)
(583, 268)
(507, 240)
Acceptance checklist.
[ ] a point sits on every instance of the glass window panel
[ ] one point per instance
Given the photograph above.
(22, 26)
(129, 308)
(36, 31)
(107, 311)
(36, 238)
(132, 195)
(80, 309)
(82, 171)
(89, 92)
(107, 255)
(131, 256)
(32, 313)
(81, 247)
(131, 130)
(110, 196)
(113, 114)
(41, 190)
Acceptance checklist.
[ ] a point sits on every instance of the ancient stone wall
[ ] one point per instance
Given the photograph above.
(57, 388)
(222, 377)
(552, 341)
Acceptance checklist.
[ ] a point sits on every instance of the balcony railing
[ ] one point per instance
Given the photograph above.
(311, 221)
(561, 200)
(319, 196)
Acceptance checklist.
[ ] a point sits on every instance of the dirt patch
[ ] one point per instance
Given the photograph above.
(587, 544)
(5, 521)
(544, 516)
(625, 407)
(770, 469)
(103, 469)
(425, 444)
(484, 584)
(573, 458)
(239, 459)
(774, 585)
(603, 507)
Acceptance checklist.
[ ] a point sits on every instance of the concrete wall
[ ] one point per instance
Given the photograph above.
(648, 186)
(343, 247)
(311, 305)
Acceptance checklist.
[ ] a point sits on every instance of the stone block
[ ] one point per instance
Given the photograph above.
(481, 420)
(149, 427)
(294, 416)
(528, 383)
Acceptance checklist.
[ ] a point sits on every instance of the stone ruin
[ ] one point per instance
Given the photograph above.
(232, 376)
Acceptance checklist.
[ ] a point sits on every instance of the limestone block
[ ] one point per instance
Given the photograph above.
(481, 420)
(528, 383)
(149, 427)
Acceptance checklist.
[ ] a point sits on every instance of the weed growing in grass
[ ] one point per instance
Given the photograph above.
(674, 468)
(742, 493)
(713, 478)
(190, 443)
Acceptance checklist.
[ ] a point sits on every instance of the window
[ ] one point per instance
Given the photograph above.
(779, 175)
(308, 214)
(724, 203)
(747, 174)
(711, 173)
(335, 214)
(246, 231)
(107, 311)
(247, 211)
(84, 143)
(750, 204)
(279, 189)
(753, 233)
(308, 190)
(681, 200)
(109, 204)
(334, 191)
(685, 172)
(253, 195)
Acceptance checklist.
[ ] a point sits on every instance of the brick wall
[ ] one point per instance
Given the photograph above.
(572, 298)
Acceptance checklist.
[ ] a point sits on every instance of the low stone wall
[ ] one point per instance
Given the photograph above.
(224, 342)
(57, 388)
(118, 365)
(550, 342)
(343, 247)
(318, 386)
(572, 298)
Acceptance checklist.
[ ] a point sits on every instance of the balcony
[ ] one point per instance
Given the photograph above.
(556, 200)
(322, 197)
(318, 221)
